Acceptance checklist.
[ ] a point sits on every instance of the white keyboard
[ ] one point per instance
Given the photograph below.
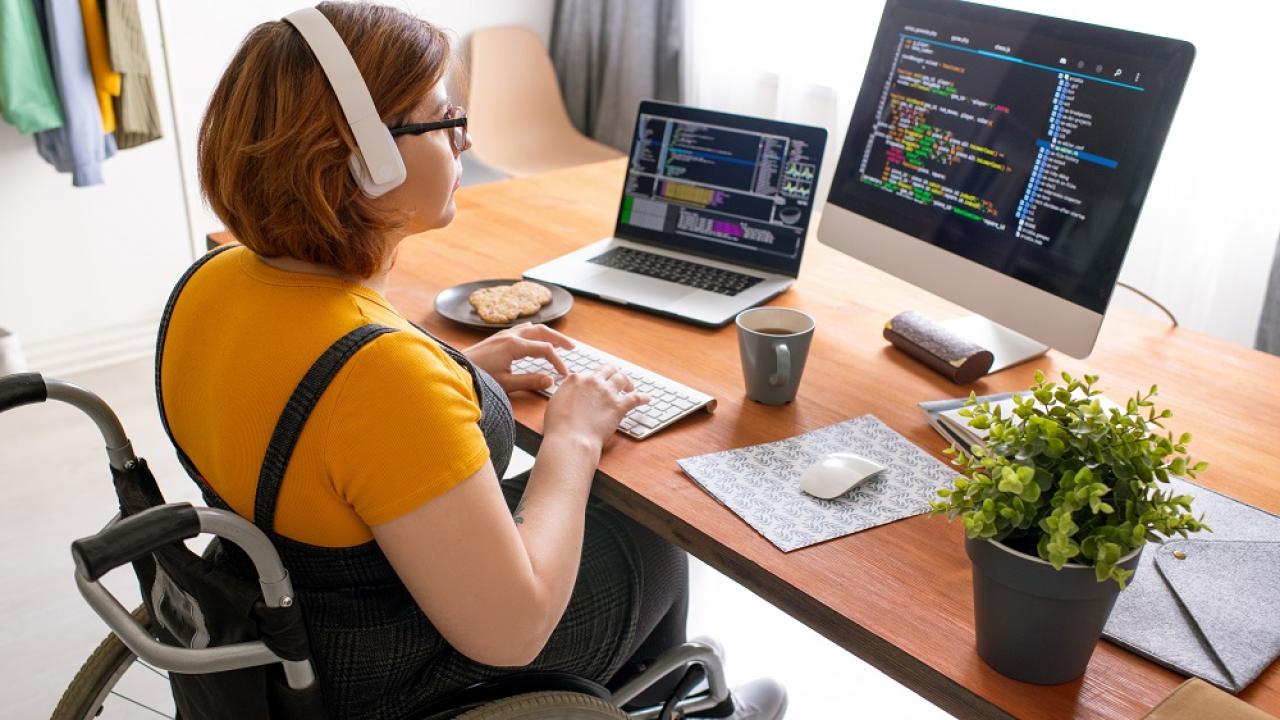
(668, 400)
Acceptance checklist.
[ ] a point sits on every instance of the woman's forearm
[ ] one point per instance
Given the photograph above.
(551, 515)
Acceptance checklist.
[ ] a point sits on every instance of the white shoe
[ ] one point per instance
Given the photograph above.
(715, 645)
(763, 699)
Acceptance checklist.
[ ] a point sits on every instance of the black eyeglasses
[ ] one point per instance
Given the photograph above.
(455, 120)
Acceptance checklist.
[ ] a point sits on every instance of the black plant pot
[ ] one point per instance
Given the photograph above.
(1034, 623)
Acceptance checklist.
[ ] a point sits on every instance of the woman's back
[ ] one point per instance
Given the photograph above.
(377, 654)
(397, 427)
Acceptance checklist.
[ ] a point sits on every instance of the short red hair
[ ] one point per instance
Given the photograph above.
(274, 144)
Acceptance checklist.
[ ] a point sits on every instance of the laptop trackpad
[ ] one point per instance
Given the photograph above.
(635, 289)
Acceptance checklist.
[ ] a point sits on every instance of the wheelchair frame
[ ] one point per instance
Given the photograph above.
(124, 540)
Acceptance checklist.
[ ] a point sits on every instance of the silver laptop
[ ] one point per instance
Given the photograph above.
(713, 216)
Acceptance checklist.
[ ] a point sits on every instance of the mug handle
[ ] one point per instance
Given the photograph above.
(783, 376)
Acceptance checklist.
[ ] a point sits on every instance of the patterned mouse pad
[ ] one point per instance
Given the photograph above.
(761, 483)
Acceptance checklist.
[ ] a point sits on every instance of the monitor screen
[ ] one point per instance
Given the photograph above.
(1020, 142)
(723, 186)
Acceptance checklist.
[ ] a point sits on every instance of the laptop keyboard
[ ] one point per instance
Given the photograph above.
(669, 401)
(664, 267)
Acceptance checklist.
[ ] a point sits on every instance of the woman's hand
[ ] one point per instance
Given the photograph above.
(496, 353)
(589, 406)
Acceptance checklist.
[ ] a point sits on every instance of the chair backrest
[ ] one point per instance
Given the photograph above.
(512, 81)
(515, 111)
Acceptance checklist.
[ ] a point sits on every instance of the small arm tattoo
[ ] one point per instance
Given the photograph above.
(517, 514)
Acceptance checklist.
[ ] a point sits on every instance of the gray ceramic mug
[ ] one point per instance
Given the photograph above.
(774, 343)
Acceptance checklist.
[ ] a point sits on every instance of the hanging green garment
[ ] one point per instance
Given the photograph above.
(28, 98)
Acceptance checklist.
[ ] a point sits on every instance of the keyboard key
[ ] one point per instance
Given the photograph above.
(676, 270)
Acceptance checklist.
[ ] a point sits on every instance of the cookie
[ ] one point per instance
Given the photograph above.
(504, 303)
(496, 304)
(539, 293)
(528, 305)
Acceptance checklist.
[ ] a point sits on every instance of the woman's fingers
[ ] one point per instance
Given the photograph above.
(546, 334)
(620, 382)
(527, 381)
(544, 350)
(631, 401)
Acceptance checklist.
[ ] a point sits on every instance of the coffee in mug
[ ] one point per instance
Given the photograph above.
(774, 344)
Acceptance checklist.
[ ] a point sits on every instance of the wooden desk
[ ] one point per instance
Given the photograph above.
(897, 596)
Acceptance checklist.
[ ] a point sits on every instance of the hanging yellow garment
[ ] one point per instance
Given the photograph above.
(105, 80)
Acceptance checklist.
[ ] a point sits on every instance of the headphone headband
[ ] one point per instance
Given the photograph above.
(377, 167)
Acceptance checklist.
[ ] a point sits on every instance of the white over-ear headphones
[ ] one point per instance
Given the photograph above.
(377, 167)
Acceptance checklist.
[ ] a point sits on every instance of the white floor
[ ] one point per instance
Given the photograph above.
(55, 487)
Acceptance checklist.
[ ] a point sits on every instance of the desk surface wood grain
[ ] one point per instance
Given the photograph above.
(899, 596)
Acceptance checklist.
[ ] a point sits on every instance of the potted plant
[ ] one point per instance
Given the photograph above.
(1057, 504)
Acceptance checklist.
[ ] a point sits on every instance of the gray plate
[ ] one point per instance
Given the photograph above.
(453, 304)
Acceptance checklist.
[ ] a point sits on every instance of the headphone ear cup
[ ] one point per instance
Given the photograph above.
(365, 180)
(373, 140)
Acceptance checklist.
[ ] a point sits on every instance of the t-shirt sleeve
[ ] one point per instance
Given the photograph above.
(404, 428)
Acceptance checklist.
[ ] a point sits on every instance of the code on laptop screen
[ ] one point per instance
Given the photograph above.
(721, 185)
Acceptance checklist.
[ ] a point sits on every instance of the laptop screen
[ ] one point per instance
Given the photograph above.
(728, 187)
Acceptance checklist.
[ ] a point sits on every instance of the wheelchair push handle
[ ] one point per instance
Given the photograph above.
(134, 537)
(28, 388)
(22, 389)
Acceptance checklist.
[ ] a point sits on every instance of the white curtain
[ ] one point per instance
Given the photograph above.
(1207, 233)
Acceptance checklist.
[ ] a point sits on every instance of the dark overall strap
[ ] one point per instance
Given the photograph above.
(294, 417)
(160, 337)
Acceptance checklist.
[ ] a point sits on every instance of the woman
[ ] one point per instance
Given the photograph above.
(418, 572)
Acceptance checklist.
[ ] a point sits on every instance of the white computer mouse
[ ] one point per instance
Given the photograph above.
(836, 474)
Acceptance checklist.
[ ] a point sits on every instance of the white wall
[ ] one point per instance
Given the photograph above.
(84, 272)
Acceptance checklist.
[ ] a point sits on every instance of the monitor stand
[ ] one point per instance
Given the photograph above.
(1009, 348)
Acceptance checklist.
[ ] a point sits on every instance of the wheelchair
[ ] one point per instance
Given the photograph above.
(230, 646)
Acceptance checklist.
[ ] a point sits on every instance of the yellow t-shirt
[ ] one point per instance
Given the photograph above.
(396, 428)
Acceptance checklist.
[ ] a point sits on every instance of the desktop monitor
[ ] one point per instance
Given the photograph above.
(999, 159)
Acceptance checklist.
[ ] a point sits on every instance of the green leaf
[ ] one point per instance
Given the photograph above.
(1030, 492)
(1009, 481)
(1083, 481)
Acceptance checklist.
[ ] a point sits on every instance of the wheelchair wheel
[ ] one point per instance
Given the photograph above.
(547, 706)
(96, 682)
